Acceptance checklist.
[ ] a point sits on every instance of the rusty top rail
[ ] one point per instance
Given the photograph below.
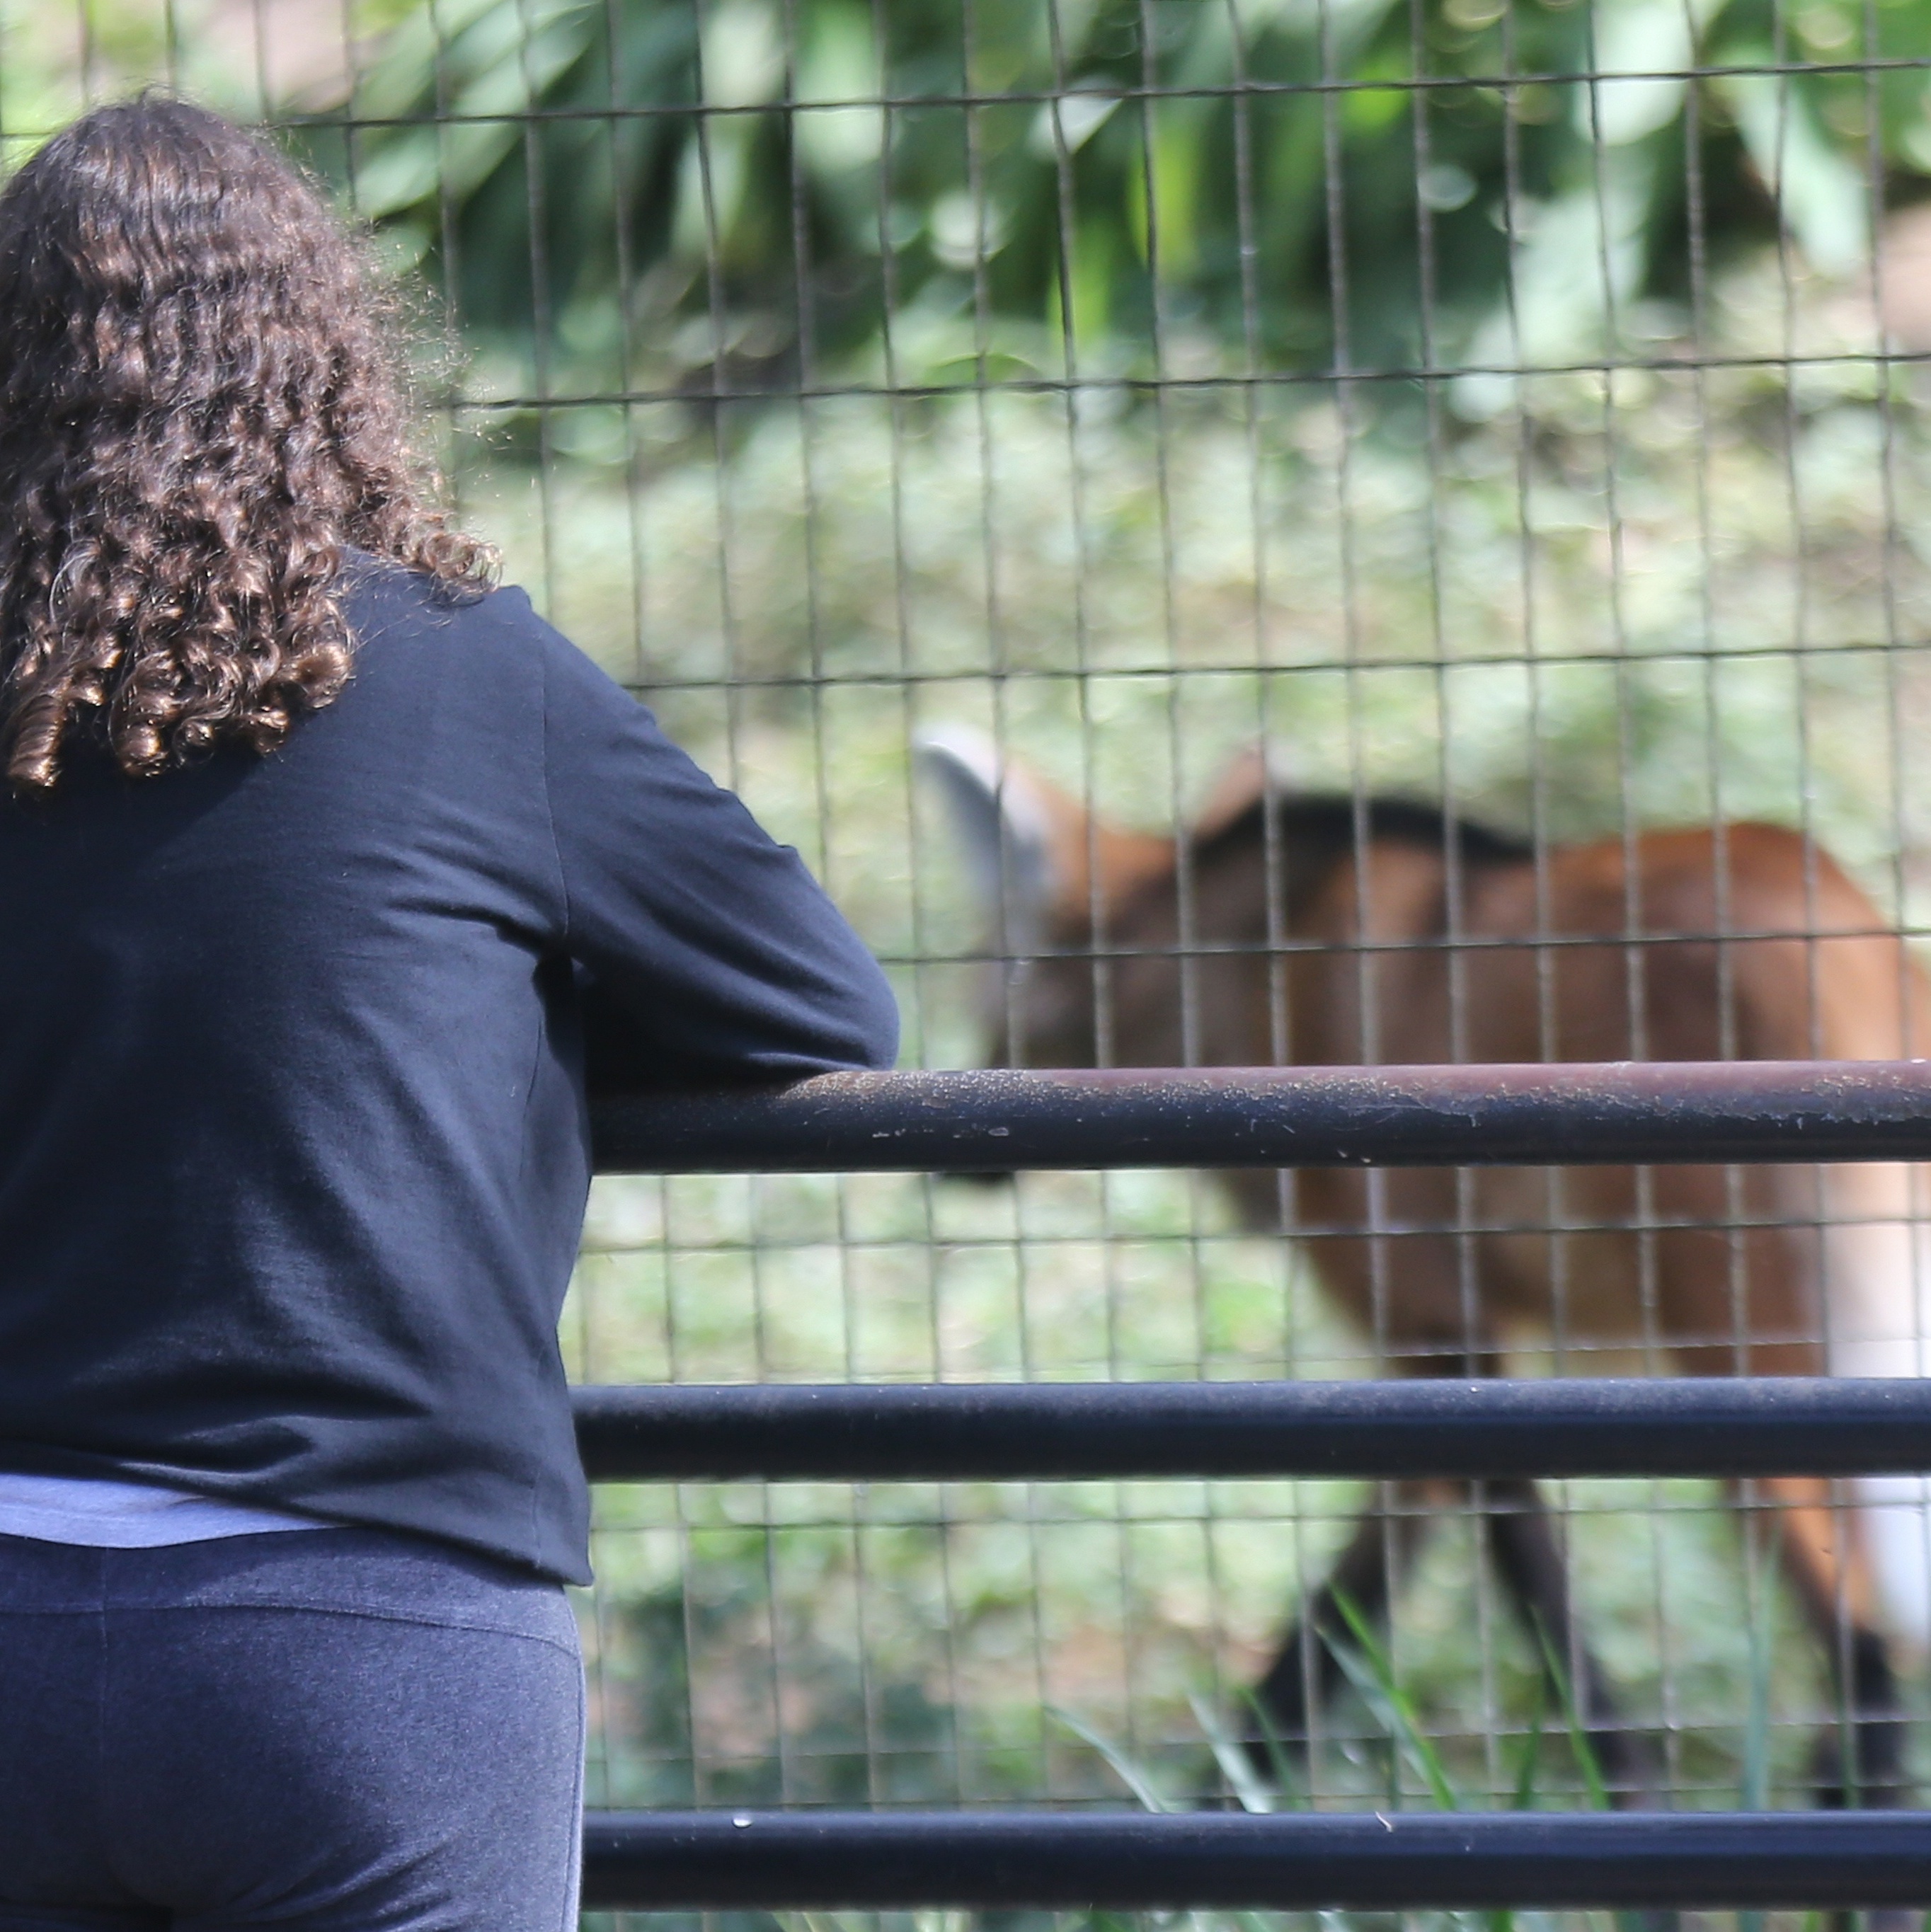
(992, 1122)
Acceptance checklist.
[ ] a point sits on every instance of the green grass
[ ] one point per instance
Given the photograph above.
(903, 1642)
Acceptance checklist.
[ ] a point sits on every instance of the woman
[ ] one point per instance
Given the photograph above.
(318, 858)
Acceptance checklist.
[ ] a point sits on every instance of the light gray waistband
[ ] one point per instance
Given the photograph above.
(101, 1513)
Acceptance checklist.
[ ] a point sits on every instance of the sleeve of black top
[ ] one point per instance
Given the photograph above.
(705, 944)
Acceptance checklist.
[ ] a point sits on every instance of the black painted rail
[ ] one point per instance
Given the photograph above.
(991, 1431)
(1390, 1861)
(991, 1122)
(1648, 1111)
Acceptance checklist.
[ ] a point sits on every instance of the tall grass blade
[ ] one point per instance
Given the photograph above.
(1757, 1724)
(1579, 1741)
(1372, 1674)
(1523, 1798)
(1755, 1793)
(1142, 1787)
(1280, 1759)
(1231, 1755)
(1129, 1774)
(1587, 1763)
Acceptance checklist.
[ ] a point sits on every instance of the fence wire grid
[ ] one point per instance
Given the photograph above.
(1513, 409)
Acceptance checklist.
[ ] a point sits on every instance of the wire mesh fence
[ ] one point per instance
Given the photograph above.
(1223, 416)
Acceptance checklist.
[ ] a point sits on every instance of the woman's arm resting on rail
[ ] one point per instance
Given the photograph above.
(709, 945)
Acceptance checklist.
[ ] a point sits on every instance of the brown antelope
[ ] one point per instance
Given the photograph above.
(1288, 929)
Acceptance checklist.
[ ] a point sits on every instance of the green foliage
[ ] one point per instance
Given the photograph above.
(1579, 1740)
(55, 59)
(1141, 185)
(1365, 1662)
(1368, 1666)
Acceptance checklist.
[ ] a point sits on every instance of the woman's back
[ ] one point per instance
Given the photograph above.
(291, 1077)
(325, 870)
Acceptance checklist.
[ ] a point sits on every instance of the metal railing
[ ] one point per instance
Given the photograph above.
(1477, 1430)
(1635, 1112)
(1459, 1429)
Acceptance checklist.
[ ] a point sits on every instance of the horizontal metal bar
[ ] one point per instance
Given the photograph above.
(1396, 1861)
(891, 678)
(1219, 382)
(1107, 89)
(1648, 1111)
(1002, 1431)
(1468, 944)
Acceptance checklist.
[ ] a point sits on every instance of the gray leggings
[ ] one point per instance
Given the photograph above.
(344, 1731)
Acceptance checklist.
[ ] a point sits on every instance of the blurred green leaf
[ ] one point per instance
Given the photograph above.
(659, 193)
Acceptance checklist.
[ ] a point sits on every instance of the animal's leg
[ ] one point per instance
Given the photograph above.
(1860, 1759)
(1303, 1671)
(1407, 1292)
(1529, 1559)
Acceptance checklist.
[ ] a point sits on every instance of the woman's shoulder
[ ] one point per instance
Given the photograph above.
(442, 628)
(483, 655)
(381, 588)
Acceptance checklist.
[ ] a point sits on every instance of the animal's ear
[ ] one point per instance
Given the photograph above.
(1014, 826)
(1253, 773)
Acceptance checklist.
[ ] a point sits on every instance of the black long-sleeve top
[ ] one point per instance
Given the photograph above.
(293, 1140)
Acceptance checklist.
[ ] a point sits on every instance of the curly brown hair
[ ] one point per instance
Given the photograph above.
(202, 406)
